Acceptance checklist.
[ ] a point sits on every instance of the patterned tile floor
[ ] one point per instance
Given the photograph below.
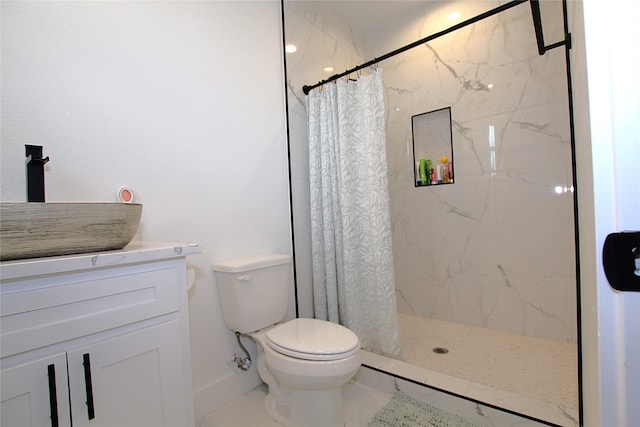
(542, 369)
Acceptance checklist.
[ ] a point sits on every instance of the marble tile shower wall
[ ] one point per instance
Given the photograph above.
(495, 249)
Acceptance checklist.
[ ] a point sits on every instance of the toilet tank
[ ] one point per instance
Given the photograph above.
(254, 290)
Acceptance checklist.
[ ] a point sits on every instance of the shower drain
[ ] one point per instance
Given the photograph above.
(441, 350)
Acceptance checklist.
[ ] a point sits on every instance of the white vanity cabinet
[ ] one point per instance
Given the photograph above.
(28, 397)
(99, 339)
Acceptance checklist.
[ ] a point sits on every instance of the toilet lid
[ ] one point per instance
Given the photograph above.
(313, 339)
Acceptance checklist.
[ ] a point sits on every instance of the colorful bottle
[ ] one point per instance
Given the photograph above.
(423, 172)
(445, 171)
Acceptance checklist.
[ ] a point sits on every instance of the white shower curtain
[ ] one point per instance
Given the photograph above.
(353, 276)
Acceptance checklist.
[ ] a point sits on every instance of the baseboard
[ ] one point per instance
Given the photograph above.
(215, 394)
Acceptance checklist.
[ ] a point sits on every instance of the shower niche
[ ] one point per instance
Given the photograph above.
(432, 148)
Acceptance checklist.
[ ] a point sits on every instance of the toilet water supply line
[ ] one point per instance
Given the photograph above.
(245, 363)
(281, 397)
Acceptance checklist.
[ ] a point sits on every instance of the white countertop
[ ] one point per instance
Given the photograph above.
(130, 254)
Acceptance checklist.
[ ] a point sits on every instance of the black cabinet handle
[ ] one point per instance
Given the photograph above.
(53, 395)
(86, 362)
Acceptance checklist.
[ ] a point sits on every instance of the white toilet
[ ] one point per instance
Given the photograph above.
(303, 361)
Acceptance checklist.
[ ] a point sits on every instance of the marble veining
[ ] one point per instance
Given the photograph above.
(133, 253)
(496, 248)
(483, 250)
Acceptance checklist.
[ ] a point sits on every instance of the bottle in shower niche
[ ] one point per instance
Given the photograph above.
(444, 172)
(422, 171)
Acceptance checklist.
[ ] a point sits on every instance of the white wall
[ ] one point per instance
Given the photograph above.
(607, 100)
(182, 102)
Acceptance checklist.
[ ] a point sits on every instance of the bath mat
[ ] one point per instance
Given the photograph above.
(405, 411)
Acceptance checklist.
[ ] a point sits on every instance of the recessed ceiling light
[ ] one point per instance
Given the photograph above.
(290, 48)
(454, 16)
(328, 69)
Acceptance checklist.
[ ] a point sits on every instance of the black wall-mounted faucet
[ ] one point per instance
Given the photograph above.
(35, 173)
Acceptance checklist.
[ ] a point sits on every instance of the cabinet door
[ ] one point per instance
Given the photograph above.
(135, 379)
(36, 393)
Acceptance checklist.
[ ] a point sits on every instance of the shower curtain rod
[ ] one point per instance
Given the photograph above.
(537, 24)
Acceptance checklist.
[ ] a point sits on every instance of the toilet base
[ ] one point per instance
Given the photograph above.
(308, 408)
(279, 413)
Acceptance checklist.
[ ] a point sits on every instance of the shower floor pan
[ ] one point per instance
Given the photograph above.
(526, 375)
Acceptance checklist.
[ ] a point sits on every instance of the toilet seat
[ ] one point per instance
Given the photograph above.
(313, 339)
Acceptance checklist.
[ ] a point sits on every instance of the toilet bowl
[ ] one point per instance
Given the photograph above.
(305, 362)
(305, 383)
